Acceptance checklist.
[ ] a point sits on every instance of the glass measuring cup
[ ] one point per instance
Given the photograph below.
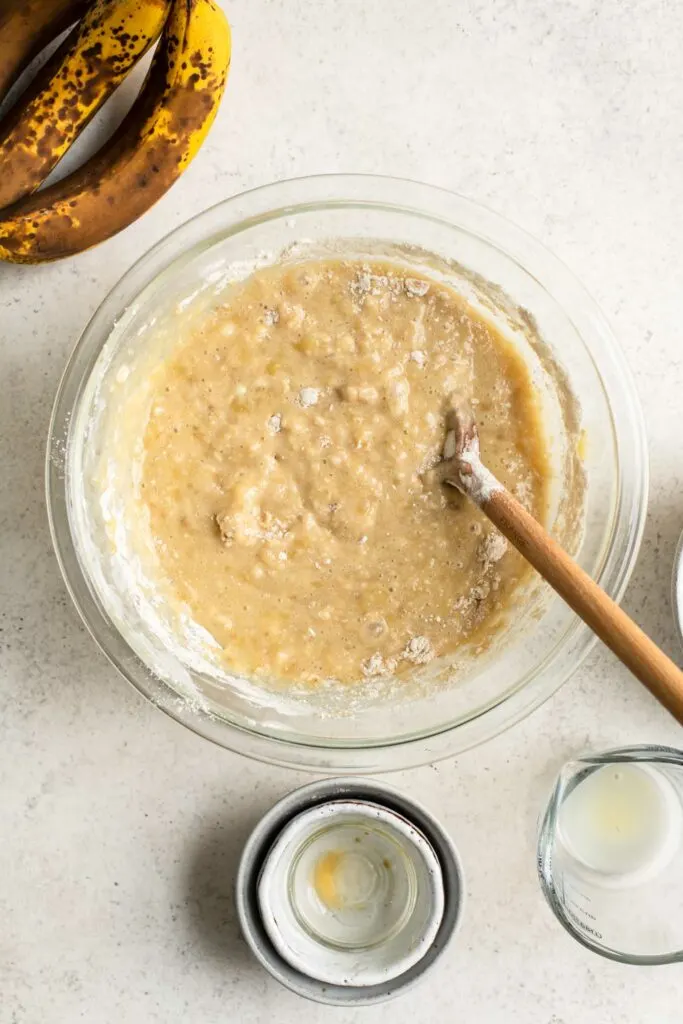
(610, 853)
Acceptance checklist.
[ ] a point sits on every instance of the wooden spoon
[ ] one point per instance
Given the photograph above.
(463, 468)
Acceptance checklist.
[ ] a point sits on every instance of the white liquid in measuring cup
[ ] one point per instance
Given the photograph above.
(622, 820)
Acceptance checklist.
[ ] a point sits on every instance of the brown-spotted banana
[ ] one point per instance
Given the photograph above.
(67, 92)
(26, 27)
(154, 144)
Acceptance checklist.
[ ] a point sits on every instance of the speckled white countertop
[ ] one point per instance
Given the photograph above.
(119, 830)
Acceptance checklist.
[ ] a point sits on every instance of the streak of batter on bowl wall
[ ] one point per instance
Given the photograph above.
(287, 479)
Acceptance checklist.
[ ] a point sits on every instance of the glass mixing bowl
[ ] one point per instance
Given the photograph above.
(531, 296)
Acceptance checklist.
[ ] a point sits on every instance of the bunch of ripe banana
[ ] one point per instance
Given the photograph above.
(155, 142)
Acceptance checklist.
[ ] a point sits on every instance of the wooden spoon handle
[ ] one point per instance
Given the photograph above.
(614, 627)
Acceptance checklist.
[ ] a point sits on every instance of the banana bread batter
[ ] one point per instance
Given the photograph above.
(288, 472)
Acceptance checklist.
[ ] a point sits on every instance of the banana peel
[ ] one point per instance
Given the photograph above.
(26, 27)
(91, 62)
(154, 144)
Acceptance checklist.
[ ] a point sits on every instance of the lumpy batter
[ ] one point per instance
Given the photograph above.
(288, 472)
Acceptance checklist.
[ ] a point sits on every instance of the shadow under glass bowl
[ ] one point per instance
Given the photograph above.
(473, 245)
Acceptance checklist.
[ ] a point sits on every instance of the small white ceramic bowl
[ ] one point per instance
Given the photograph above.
(351, 893)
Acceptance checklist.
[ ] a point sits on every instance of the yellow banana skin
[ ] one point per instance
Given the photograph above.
(156, 141)
(26, 27)
(70, 89)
